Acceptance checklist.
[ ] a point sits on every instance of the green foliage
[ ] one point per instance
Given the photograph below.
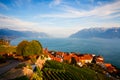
(39, 45)
(37, 75)
(26, 48)
(21, 47)
(96, 67)
(73, 61)
(39, 72)
(7, 49)
(54, 65)
(10, 49)
(2, 48)
(60, 71)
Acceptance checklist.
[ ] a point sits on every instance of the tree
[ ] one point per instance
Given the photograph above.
(21, 47)
(36, 47)
(73, 61)
(39, 45)
(26, 48)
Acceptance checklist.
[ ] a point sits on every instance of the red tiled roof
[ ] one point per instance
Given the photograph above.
(51, 56)
(99, 60)
(60, 53)
(57, 59)
(86, 57)
(66, 57)
(110, 68)
(45, 50)
(108, 65)
(73, 55)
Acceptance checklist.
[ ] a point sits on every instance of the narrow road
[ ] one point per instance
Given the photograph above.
(13, 63)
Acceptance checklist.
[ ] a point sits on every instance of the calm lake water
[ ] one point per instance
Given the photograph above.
(108, 48)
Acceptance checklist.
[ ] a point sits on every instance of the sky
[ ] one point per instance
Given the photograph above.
(59, 18)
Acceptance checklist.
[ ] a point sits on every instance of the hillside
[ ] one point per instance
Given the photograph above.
(97, 33)
(7, 33)
(60, 71)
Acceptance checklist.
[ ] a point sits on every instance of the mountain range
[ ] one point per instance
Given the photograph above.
(8, 33)
(98, 33)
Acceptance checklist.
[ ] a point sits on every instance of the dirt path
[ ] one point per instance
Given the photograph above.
(13, 63)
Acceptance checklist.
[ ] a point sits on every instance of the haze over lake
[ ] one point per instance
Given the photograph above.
(108, 48)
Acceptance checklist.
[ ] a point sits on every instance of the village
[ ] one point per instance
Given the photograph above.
(71, 58)
(81, 59)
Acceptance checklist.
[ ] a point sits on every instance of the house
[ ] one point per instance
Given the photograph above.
(50, 57)
(82, 59)
(75, 56)
(110, 68)
(98, 59)
(107, 65)
(45, 51)
(86, 58)
(79, 64)
(58, 59)
(59, 54)
(67, 58)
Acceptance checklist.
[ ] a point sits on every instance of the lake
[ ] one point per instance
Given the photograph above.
(108, 48)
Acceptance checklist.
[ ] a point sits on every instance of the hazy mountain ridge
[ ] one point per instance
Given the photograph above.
(97, 33)
(8, 33)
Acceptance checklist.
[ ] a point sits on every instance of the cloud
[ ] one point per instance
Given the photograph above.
(55, 3)
(47, 27)
(102, 24)
(3, 6)
(67, 20)
(77, 2)
(20, 3)
(92, 1)
(60, 31)
(104, 11)
(20, 25)
(14, 23)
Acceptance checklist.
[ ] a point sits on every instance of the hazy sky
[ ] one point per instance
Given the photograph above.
(59, 18)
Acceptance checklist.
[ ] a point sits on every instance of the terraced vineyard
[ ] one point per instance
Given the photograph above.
(60, 71)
